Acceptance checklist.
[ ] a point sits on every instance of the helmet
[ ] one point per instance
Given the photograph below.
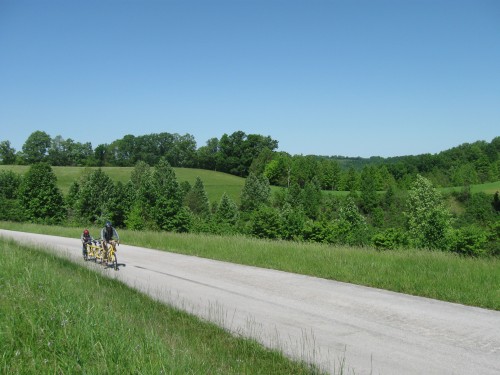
(86, 232)
(108, 223)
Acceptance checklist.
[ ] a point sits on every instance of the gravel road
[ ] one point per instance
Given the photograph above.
(371, 331)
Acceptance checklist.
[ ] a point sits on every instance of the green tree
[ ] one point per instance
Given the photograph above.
(59, 153)
(258, 165)
(94, 197)
(207, 155)
(386, 179)
(478, 210)
(294, 195)
(72, 196)
(292, 222)
(329, 174)
(351, 224)
(470, 240)
(464, 174)
(303, 169)
(256, 192)
(369, 197)
(101, 155)
(349, 213)
(166, 202)
(266, 223)
(496, 202)
(278, 171)
(123, 151)
(120, 203)
(237, 151)
(36, 147)
(183, 154)
(428, 220)
(80, 153)
(10, 208)
(350, 181)
(227, 211)
(68, 152)
(197, 199)
(310, 198)
(9, 184)
(7, 153)
(140, 173)
(40, 196)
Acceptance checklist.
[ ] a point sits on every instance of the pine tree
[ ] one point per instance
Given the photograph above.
(165, 200)
(310, 198)
(256, 191)
(197, 199)
(227, 211)
(496, 202)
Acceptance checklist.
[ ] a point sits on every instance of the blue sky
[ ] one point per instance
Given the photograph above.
(353, 78)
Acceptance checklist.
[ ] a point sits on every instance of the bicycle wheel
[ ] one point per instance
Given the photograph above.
(115, 261)
(86, 252)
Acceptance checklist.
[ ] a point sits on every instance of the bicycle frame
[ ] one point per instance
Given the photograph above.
(94, 250)
(111, 254)
(105, 253)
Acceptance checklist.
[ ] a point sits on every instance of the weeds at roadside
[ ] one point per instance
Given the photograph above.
(53, 318)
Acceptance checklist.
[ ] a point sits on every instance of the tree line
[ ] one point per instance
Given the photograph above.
(241, 154)
(153, 199)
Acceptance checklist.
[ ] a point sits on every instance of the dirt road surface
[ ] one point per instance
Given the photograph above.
(328, 323)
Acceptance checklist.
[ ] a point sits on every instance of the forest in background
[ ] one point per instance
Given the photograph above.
(240, 154)
(392, 203)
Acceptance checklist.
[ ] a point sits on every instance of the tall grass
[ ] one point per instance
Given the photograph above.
(438, 275)
(59, 318)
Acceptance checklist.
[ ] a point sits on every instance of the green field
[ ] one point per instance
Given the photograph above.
(488, 188)
(216, 183)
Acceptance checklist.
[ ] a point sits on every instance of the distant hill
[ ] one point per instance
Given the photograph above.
(216, 183)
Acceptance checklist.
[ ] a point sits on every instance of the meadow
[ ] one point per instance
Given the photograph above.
(434, 274)
(59, 318)
(216, 183)
(487, 188)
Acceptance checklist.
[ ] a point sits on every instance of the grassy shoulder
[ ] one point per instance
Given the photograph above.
(58, 317)
(438, 275)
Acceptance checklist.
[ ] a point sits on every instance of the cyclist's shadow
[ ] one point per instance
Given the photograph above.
(118, 265)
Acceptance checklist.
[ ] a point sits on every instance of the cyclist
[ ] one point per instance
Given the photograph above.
(86, 239)
(107, 234)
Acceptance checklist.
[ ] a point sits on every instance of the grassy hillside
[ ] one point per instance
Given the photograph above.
(488, 188)
(216, 183)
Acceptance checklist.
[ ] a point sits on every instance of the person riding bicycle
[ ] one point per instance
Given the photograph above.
(107, 235)
(86, 239)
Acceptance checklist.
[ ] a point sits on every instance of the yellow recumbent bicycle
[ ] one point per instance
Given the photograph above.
(110, 255)
(94, 250)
